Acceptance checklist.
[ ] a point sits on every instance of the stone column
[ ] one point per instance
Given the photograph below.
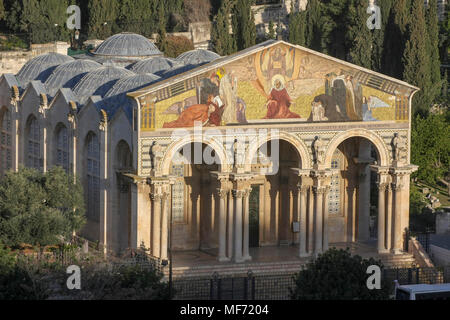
(363, 202)
(104, 181)
(302, 208)
(325, 218)
(389, 218)
(156, 223)
(222, 225)
(230, 237)
(351, 225)
(238, 195)
(397, 247)
(310, 223)
(318, 214)
(165, 222)
(245, 241)
(381, 217)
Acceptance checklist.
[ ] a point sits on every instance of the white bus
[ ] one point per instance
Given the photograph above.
(422, 291)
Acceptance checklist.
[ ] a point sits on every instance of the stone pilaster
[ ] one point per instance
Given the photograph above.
(222, 193)
(382, 183)
(246, 231)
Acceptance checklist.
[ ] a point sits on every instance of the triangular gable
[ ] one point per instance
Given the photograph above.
(275, 82)
(252, 50)
(65, 94)
(9, 79)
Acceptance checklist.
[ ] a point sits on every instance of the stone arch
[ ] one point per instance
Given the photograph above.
(377, 141)
(123, 157)
(61, 146)
(6, 148)
(297, 143)
(176, 145)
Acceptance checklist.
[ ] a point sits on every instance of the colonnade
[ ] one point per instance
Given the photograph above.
(312, 212)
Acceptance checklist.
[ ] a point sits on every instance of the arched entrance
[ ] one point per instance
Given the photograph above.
(194, 203)
(275, 185)
(352, 196)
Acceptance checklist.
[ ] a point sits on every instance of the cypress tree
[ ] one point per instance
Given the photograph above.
(223, 42)
(433, 50)
(161, 42)
(297, 27)
(244, 28)
(395, 40)
(333, 26)
(102, 18)
(137, 16)
(416, 59)
(359, 36)
(271, 33)
(313, 32)
(380, 34)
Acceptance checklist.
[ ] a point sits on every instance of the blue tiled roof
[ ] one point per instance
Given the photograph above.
(98, 82)
(40, 67)
(68, 74)
(156, 65)
(116, 97)
(127, 45)
(197, 57)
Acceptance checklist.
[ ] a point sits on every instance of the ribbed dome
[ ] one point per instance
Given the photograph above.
(127, 45)
(98, 82)
(68, 74)
(177, 70)
(40, 67)
(197, 57)
(116, 97)
(131, 83)
(156, 65)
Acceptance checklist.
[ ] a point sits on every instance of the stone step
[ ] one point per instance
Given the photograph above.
(400, 261)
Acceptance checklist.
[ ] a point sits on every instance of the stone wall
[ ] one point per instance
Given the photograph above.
(13, 61)
(441, 256)
(442, 222)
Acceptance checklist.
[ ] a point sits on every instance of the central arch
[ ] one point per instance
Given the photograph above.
(380, 146)
(298, 144)
(177, 145)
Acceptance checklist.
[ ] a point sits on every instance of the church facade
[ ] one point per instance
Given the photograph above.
(275, 145)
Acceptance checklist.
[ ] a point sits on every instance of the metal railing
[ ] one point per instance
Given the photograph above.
(277, 286)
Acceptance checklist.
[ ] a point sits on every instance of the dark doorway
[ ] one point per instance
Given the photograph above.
(254, 217)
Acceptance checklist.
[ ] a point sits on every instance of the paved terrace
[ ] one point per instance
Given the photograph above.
(274, 259)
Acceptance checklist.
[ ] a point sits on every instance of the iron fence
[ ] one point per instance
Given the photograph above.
(277, 286)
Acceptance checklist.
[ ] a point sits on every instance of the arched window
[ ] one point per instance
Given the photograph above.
(6, 141)
(62, 147)
(334, 196)
(33, 143)
(92, 151)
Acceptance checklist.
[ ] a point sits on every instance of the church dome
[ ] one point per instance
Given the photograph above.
(68, 74)
(116, 97)
(156, 65)
(98, 82)
(40, 67)
(197, 57)
(127, 45)
(131, 83)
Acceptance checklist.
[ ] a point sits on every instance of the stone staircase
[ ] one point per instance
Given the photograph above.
(404, 260)
(241, 269)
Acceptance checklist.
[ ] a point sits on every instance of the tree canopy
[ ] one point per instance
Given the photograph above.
(39, 209)
(337, 275)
